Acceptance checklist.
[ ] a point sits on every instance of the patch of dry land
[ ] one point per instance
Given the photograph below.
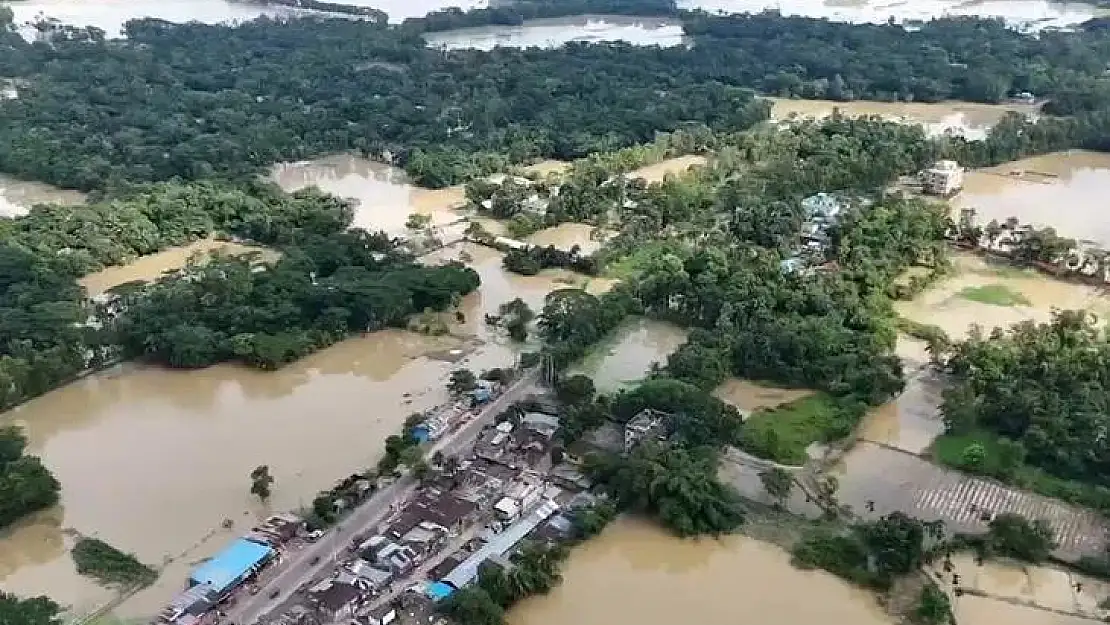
(994, 294)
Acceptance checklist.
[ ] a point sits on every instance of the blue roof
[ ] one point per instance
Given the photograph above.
(438, 591)
(229, 566)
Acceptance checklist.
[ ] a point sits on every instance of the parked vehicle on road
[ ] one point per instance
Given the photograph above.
(274, 593)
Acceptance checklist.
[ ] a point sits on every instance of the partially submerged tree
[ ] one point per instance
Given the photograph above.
(462, 381)
(261, 482)
(778, 483)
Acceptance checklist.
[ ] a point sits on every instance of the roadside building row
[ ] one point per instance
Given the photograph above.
(241, 562)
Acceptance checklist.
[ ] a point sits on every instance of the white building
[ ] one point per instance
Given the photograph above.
(943, 178)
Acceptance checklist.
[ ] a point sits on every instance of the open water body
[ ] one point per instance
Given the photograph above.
(153, 460)
(967, 119)
(18, 196)
(1065, 190)
(636, 573)
(554, 32)
(110, 15)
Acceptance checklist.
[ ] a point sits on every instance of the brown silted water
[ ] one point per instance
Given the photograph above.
(636, 573)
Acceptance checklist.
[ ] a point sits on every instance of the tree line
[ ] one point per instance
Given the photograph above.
(234, 99)
(1028, 405)
(26, 486)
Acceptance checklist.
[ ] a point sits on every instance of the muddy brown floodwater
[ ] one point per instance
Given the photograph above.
(151, 267)
(968, 119)
(384, 197)
(635, 573)
(948, 306)
(18, 196)
(153, 460)
(1065, 190)
(748, 396)
(627, 356)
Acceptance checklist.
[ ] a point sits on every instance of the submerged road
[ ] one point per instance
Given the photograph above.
(298, 568)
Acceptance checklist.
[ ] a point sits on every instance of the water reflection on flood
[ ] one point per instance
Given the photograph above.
(1065, 190)
(970, 120)
(18, 196)
(554, 32)
(635, 573)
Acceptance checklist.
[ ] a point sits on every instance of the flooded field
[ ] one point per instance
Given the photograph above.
(384, 196)
(152, 267)
(566, 236)
(1065, 190)
(960, 301)
(970, 120)
(676, 165)
(18, 196)
(627, 356)
(635, 573)
(981, 611)
(173, 448)
(554, 32)
(1047, 587)
(500, 286)
(748, 396)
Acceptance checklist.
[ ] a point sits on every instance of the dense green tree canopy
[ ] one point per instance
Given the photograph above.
(1043, 388)
(25, 485)
(34, 611)
(676, 485)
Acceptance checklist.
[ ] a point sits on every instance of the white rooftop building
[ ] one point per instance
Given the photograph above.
(943, 178)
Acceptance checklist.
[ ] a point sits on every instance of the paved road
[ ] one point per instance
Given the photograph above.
(297, 569)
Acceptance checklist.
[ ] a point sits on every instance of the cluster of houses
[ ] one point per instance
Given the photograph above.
(454, 415)
(515, 485)
(821, 213)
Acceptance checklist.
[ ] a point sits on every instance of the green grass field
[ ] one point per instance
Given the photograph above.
(995, 295)
(948, 450)
(782, 434)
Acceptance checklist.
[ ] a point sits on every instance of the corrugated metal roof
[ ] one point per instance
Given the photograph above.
(229, 565)
(468, 570)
